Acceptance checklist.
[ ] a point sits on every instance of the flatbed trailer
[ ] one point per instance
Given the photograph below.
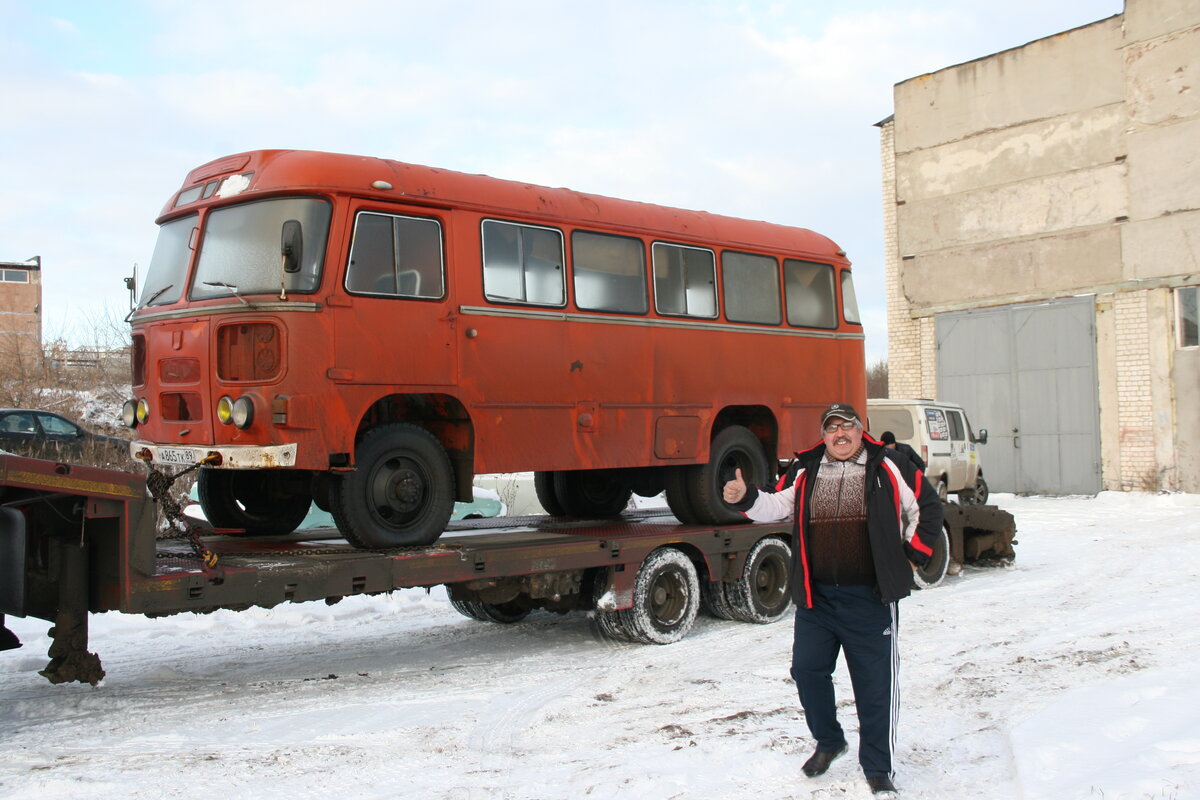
(78, 540)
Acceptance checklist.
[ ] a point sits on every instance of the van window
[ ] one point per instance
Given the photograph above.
(956, 425)
(935, 421)
(896, 420)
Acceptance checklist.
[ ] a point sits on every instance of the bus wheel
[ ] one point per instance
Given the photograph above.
(260, 502)
(761, 594)
(733, 448)
(590, 493)
(666, 598)
(932, 573)
(543, 487)
(677, 495)
(401, 493)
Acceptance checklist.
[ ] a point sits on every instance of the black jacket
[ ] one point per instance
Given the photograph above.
(891, 552)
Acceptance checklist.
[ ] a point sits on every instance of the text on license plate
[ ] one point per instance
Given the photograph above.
(176, 455)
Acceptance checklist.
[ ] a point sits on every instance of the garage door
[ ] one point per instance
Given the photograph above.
(1027, 373)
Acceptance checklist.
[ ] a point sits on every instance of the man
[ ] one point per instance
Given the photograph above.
(851, 565)
(889, 440)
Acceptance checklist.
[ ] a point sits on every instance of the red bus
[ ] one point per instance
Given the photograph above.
(369, 335)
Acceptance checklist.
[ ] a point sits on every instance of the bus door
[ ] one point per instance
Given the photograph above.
(393, 323)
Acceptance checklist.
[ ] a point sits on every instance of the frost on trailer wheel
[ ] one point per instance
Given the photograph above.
(932, 573)
(761, 595)
(666, 598)
(606, 617)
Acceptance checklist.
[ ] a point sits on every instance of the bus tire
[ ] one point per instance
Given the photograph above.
(543, 487)
(590, 493)
(666, 598)
(260, 502)
(401, 493)
(761, 595)
(931, 574)
(677, 495)
(733, 448)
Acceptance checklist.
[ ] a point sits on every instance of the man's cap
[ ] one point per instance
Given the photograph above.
(841, 410)
(887, 437)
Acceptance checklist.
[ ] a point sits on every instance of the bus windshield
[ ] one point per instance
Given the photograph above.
(168, 265)
(241, 251)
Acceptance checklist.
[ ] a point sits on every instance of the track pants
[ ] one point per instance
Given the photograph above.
(852, 619)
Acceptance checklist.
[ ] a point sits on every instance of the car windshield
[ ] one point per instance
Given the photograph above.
(241, 254)
(168, 266)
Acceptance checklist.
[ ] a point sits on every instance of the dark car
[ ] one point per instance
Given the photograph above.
(40, 434)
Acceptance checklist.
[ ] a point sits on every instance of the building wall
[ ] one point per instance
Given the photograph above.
(20, 314)
(1067, 166)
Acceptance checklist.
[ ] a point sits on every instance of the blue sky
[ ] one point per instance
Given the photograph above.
(762, 110)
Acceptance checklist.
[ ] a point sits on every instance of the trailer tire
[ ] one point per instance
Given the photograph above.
(666, 598)
(608, 622)
(932, 573)
(543, 487)
(714, 599)
(502, 613)
(402, 492)
(259, 502)
(590, 493)
(735, 447)
(761, 595)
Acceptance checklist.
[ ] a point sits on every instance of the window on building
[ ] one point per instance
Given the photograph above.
(522, 264)
(1187, 316)
(685, 280)
(610, 272)
(14, 276)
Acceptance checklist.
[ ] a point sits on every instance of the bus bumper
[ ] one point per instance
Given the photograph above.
(223, 456)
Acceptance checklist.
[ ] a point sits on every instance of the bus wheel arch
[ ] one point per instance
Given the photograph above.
(443, 416)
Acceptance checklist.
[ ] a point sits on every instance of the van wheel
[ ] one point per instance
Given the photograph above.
(932, 573)
(666, 598)
(402, 492)
(942, 490)
(732, 449)
(979, 496)
(761, 595)
(590, 493)
(260, 502)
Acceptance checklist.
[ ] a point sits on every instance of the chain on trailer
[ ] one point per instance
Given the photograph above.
(159, 486)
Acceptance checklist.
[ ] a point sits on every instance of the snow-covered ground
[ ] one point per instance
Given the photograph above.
(1071, 674)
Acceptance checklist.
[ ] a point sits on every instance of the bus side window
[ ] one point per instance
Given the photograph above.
(610, 272)
(394, 255)
(685, 280)
(810, 298)
(751, 285)
(522, 263)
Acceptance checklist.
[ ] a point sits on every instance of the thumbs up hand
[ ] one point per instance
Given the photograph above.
(735, 489)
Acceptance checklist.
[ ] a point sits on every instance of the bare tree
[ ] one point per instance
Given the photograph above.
(877, 379)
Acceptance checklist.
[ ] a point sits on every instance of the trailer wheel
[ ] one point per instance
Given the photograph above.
(666, 597)
(932, 573)
(260, 502)
(733, 448)
(590, 493)
(543, 487)
(714, 599)
(402, 492)
(761, 595)
(608, 622)
(503, 613)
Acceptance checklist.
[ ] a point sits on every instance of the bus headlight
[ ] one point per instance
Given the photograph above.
(129, 414)
(225, 410)
(143, 411)
(243, 412)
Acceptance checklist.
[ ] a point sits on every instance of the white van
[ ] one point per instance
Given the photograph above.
(941, 435)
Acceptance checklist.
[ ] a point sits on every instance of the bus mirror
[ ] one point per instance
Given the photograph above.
(981, 438)
(291, 245)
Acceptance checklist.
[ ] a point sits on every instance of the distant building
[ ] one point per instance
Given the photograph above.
(1042, 229)
(21, 310)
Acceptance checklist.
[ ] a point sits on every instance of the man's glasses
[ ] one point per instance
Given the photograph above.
(847, 426)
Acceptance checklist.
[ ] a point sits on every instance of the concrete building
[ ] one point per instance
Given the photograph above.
(21, 312)
(1042, 235)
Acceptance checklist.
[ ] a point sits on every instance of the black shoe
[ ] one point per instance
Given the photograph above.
(882, 786)
(820, 761)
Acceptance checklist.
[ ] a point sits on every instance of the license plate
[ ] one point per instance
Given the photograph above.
(176, 455)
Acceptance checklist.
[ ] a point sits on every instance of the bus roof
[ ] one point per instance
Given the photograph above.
(280, 170)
